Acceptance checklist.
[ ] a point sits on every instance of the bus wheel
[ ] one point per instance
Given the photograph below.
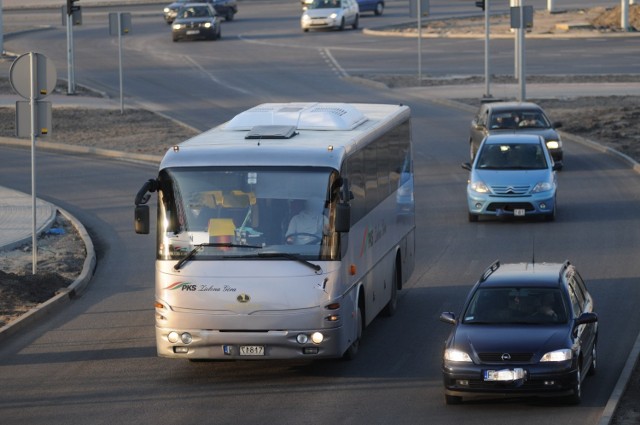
(352, 351)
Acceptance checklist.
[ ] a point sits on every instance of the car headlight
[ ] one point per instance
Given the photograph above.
(553, 144)
(207, 24)
(557, 356)
(333, 15)
(542, 187)
(305, 18)
(479, 187)
(454, 355)
(176, 26)
(167, 10)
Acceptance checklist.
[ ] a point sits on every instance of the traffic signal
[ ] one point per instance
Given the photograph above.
(71, 8)
(479, 4)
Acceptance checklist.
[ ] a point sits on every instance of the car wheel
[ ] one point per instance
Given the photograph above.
(473, 218)
(355, 23)
(341, 27)
(229, 16)
(379, 9)
(305, 29)
(175, 39)
(352, 351)
(594, 357)
(452, 399)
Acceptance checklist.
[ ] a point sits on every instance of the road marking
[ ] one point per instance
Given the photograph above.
(213, 77)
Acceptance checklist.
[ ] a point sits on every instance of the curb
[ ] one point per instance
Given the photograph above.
(64, 295)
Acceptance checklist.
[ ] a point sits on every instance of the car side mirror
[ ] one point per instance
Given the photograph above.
(448, 317)
(556, 166)
(557, 124)
(586, 318)
(466, 166)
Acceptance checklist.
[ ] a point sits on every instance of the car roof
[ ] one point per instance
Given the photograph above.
(523, 138)
(542, 275)
(511, 106)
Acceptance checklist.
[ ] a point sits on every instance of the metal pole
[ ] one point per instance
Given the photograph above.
(120, 61)
(550, 6)
(32, 102)
(2, 52)
(487, 72)
(419, 6)
(71, 85)
(624, 18)
(516, 46)
(521, 31)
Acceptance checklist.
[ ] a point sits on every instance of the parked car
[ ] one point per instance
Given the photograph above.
(196, 21)
(330, 14)
(375, 6)
(515, 117)
(512, 175)
(525, 330)
(224, 8)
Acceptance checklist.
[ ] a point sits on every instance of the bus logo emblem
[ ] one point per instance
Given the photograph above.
(243, 298)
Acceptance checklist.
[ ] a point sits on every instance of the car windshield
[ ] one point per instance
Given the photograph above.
(325, 4)
(512, 120)
(531, 306)
(194, 12)
(512, 156)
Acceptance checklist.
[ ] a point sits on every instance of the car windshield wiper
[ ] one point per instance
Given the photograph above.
(198, 247)
(293, 257)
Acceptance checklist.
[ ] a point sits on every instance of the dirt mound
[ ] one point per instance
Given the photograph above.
(611, 18)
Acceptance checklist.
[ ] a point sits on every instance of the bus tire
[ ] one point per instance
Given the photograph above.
(352, 351)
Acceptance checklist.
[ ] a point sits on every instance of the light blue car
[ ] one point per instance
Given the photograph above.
(512, 175)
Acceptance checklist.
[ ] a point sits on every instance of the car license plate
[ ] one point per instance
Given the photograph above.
(518, 212)
(504, 374)
(252, 350)
(193, 32)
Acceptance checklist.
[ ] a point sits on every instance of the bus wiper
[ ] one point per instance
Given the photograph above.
(198, 247)
(293, 257)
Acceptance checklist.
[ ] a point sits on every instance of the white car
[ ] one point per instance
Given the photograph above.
(330, 14)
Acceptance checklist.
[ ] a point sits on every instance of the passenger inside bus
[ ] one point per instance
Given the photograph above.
(308, 224)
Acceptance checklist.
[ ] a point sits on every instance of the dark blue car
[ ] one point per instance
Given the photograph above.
(375, 6)
(525, 330)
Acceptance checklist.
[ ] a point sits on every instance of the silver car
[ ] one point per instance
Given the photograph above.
(330, 14)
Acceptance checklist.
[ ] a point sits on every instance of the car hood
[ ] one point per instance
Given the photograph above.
(193, 20)
(538, 340)
(322, 13)
(511, 177)
(546, 133)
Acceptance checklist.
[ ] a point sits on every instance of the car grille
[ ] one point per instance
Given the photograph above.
(506, 206)
(498, 357)
(511, 190)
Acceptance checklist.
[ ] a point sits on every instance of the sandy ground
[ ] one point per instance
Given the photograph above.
(612, 121)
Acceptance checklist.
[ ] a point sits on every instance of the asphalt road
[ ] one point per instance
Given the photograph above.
(95, 361)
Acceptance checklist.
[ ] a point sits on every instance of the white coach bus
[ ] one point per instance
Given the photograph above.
(282, 233)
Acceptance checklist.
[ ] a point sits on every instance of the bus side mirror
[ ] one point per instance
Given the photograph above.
(343, 217)
(142, 219)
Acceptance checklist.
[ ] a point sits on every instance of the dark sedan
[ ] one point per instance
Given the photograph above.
(525, 330)
(196, 21)
(515, 117)
(225, 8)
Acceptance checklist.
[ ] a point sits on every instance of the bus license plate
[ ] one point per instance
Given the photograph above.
(252, 350)
(518, 212)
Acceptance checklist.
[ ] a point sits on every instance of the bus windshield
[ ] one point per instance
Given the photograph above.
(246, 213)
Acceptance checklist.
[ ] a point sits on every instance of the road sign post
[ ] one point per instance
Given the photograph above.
(33, 76)
(120, 24)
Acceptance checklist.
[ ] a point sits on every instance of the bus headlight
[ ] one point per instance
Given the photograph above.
(302, 338)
